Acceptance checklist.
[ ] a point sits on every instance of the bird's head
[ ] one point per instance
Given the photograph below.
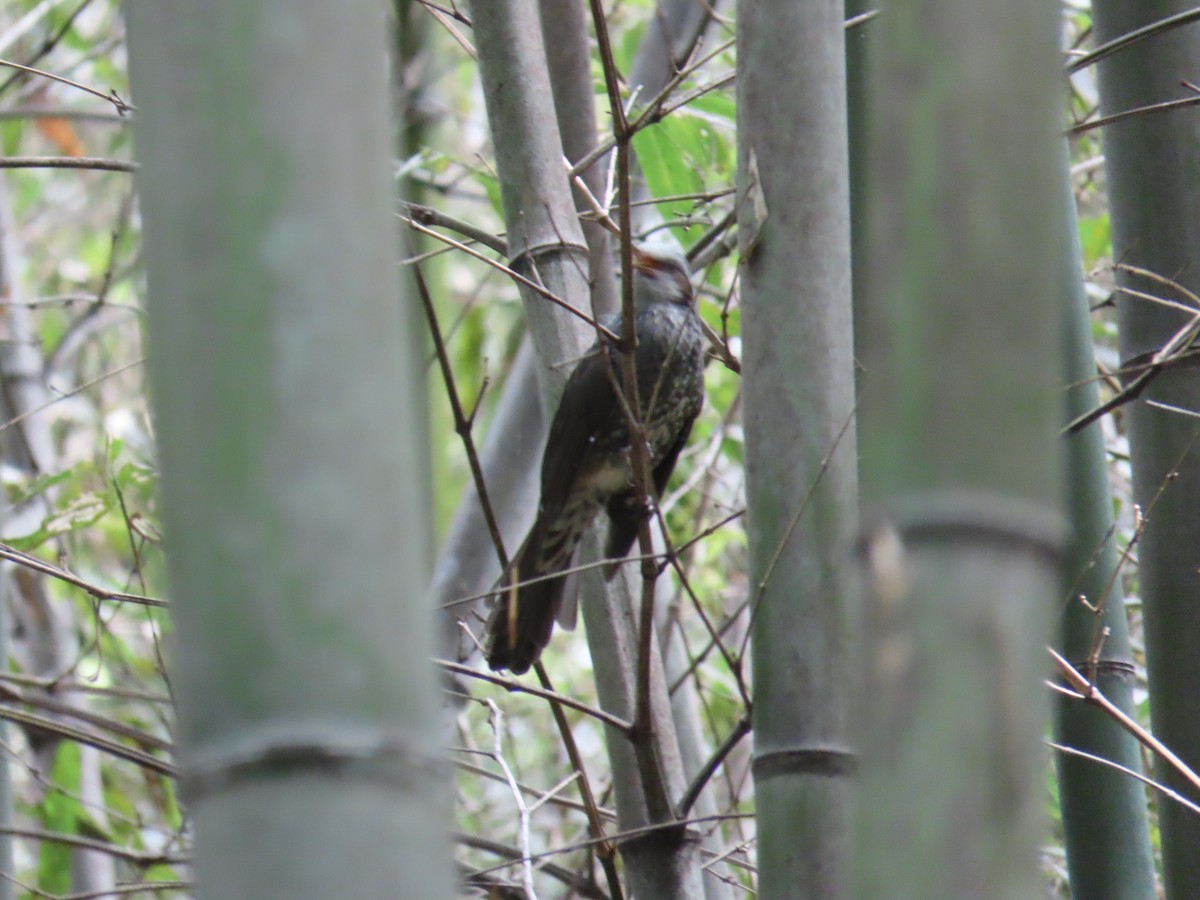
(660, 275)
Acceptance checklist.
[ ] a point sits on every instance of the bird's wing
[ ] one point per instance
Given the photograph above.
(588, 409)
(662, 472)
(625, 513)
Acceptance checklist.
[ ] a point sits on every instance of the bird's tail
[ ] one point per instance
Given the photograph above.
(523, 617)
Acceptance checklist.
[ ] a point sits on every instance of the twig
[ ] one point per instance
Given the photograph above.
(1165, 106)
(444, 18)
(542, 796)
(1150, 782)
(1169, 407)
(452, 11)
(672, 559)
(713, 641)
(495, 719)
(73, 115)
(630, 834)
(427, 215)
(462, 425)
(12, 554)
(740, 730)
(137, 857)
(68, 300)
(39, 700)
(587, 890)
(67, 162)
(57, 685)
(655, 111)
(517, 277)
(625, 729)
(82, 736)
(1130, 38)
(606, 851)
(1090, 693)
(726, 858)
(1179, 350)
(1143, 517)
(71, 393)
(572, 570)
(551, 795)
(598, 214)
(48, 43)
(79, 328)
(112, 96)
(137, 887)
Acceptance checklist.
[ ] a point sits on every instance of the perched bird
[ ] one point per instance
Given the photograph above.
(587, 465)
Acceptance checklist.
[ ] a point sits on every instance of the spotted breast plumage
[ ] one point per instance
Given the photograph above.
(587, 463)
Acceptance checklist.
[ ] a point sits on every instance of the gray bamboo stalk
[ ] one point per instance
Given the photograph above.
(647, 780)
(291, 486)
(568, 62)
(961, 463)
(545, 241)
(1155, 207)
(1103, 810)
(794, 230)
(542, 227)
(856, 115)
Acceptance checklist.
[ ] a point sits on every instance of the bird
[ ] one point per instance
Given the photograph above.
(587, 465)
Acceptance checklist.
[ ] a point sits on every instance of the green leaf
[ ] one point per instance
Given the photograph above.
(660, 149)
(80, 512)
(492, 187)
(115, 446)
(172, 815)
(624, 51)
(160, 873)
(677, 154)
(61, 812)
(1095, 234)
(21, 491)
(716, 103)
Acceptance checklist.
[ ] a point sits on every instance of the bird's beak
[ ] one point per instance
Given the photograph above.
(644, 261)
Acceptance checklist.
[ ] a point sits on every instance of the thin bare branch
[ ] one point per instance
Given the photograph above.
(1088, 692)
(112, 96)
(67, 162)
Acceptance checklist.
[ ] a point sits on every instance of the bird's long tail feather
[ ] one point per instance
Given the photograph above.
(527, 603)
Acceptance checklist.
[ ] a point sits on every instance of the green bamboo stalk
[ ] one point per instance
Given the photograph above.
(1103, 811)
(794, 233)
(961, 461)
(1155, 202)
(281, 374)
